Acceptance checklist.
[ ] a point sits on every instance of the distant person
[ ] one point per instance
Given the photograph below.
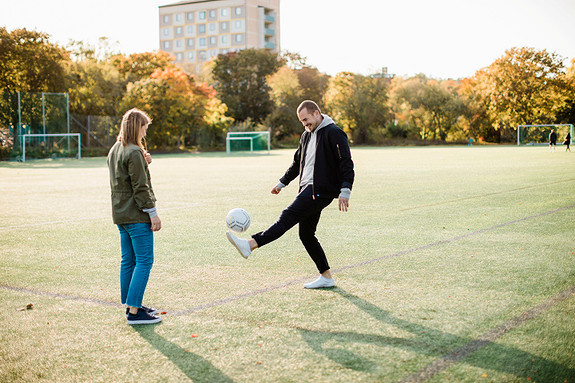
(134, 211)
(552, 140)
(567, 141)
(325, 169)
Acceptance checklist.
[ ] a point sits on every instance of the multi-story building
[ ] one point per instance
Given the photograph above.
(195, 31)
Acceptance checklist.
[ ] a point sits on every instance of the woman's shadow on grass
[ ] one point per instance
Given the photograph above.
(429, 342)
(192, 365)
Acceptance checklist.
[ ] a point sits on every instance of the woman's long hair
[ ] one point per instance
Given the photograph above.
(130, 128)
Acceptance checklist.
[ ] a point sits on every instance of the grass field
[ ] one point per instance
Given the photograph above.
(453, 264)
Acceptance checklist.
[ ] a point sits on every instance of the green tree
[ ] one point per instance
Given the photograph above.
(29, 62)
(241, 82)
(359, 104)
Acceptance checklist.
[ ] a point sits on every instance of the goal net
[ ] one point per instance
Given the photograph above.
(247, 141)
(539, 134)
(65, 145)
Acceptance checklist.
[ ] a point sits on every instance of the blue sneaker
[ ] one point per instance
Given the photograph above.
(142, 317)
(149, 310)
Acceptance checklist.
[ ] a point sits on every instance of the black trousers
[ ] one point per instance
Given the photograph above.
(306, 211)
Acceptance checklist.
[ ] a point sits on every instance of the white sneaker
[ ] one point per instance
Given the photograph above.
(243, 245)
(320, 282)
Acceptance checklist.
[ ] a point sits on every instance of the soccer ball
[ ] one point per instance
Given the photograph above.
(238, 220)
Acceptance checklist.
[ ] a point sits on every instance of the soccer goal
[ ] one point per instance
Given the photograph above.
(64, 145)
(539, 134)
(247, 141)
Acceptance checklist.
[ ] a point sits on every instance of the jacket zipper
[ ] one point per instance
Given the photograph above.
(338, 152)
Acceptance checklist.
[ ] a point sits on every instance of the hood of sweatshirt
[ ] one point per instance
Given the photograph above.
(325, 122)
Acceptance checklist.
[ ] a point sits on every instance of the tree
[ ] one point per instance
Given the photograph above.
(29, 62)
(359, 104)
(241, 82)
(524, 86)
(179, 107)
(286, 93)
(314, 83)
(432, 106)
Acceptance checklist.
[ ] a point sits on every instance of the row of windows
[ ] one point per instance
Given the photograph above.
(204, 41)
(238, 25)
(201, 55)
(211, 14)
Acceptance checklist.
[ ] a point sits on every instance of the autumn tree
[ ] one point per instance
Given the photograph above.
(240, 80)
(179, 106)
(524, 86)
(359, 104)
(29, 62)
(286, 94)
(432, 106)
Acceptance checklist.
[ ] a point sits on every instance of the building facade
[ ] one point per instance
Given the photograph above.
(196, 31)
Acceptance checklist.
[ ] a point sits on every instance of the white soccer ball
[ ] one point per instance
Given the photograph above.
(238, 220)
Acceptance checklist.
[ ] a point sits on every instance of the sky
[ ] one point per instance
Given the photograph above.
(439, 38)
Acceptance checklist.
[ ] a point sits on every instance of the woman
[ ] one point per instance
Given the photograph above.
(134, 211)
(567, 141)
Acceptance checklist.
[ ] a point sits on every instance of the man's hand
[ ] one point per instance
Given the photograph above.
(343, 203)
(276, 190)
(156, 223)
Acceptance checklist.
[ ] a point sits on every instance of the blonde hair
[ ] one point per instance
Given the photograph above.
(130, 128)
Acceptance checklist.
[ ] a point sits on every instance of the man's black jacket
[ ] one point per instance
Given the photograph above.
(333, 168)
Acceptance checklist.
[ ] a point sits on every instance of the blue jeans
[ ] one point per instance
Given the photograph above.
(137, 241)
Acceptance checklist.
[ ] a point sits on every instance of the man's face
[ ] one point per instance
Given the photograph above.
(310, 121)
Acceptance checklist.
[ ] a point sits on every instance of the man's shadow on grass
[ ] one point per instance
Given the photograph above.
(192, 365)
(429, 342)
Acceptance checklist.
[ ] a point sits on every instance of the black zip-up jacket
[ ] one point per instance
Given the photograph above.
(333, 169)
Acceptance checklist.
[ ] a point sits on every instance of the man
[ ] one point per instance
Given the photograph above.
(325, 168)
(552, 140)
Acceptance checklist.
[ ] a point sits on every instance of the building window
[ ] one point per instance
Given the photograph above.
(212, 27)
(224, 12)
(202, 15)
(179, 56)
(238, 38)
(179, 44)
(201, 29)
(166, 19)
(224, 26)
(190, 16)
(213, 41)
(190, 55)
(202, 42)
(190, 43)
(166, 31)
(202, 55)
(179, 30)
(238, 11)
(167, 45)
(212, 14)
(179, 17)
(225, 39)
(238, 24)
(213, 52)
(190, 29)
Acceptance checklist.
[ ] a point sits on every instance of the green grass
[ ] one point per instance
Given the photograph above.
(441, 246)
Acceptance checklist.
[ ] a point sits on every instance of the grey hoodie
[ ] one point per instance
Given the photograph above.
(307, 173)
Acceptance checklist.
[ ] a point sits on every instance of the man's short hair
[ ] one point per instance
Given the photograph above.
(308, 105)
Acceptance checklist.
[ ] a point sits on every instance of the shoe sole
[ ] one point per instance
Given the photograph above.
(228, 234)
(318, 287)
(152, 321)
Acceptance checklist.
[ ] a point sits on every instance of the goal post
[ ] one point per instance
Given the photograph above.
(63, 145)
(248, 141)
(539, 134)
